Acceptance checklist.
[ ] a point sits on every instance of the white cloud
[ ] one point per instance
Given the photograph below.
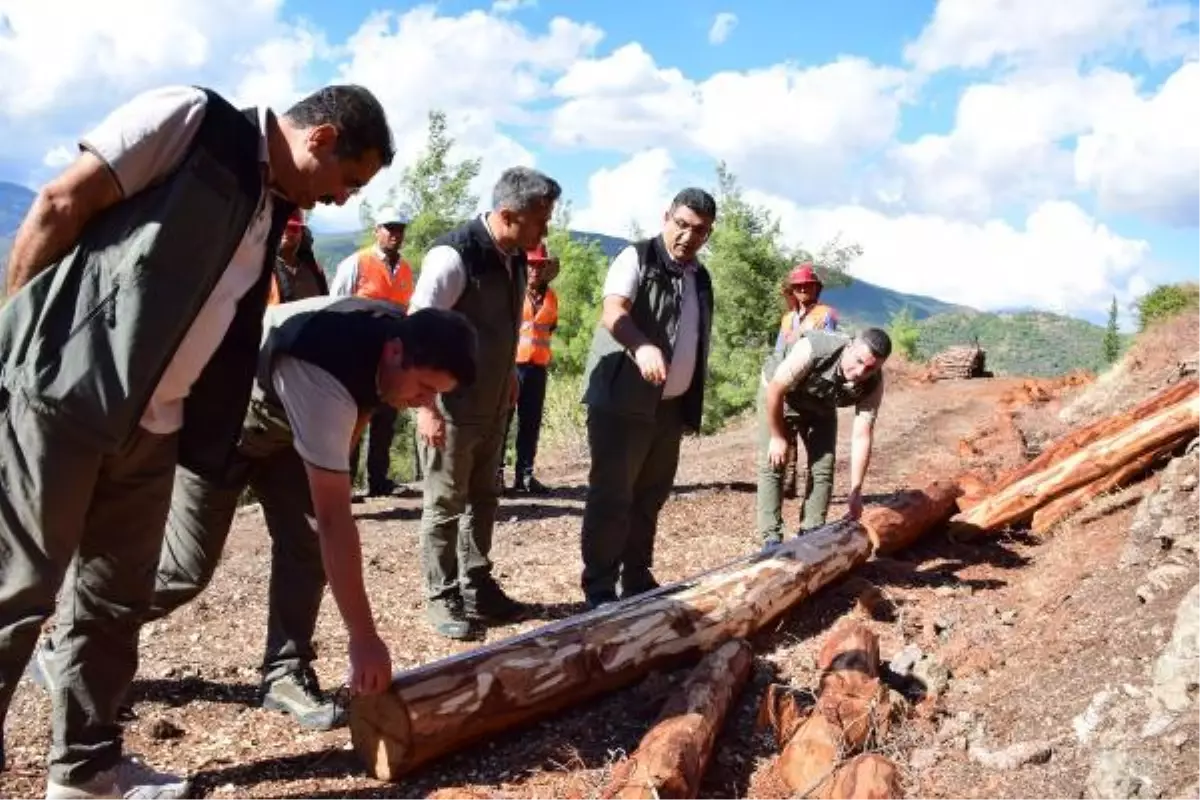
(1144, 157)
(816, 120)
(480, 69)
(722, 25)
(636, 192)
(1010, 143)
(976, 34)
(509, 6)
(58, 157)
(276, 70)
(1060, 258)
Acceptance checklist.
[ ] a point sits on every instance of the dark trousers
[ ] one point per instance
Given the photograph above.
(459, 514)
(64, 504)
(632, 473)
(531, 401)
(201, 516)
(818, 434)
(379, 447)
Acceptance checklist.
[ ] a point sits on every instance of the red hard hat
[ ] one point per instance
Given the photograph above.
(537, 254)
(803, 273)
(295, 220)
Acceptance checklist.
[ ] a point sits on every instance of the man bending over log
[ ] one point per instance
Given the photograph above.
(801, 391)
(326, 365)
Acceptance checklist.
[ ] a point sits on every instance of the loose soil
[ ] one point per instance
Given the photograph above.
(1030, 629)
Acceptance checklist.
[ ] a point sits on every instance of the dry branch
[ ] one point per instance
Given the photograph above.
(671, 759)
(443, 706)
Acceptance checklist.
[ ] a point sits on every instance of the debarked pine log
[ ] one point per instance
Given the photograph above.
(1064, 506)
(671, 759)
(898, 520)
(1018, 501)
(444, 705)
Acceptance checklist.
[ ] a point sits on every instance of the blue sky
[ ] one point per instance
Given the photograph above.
(995, 154)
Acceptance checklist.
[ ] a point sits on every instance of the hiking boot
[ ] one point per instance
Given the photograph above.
(531, 486)
(632, 588)
(446, 616)
(385, 488)
(299, 694)
(600, 600)
(129, 778)
(770, 545)
(488, 603)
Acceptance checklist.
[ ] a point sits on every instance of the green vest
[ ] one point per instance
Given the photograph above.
(612, 380)
(493, 301)
(87, 340)
(823, 389)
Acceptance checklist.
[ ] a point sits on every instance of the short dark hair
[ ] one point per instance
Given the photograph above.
(358, 116)
(519, 188)
(877, 341)
(439, 339)
(697, 200)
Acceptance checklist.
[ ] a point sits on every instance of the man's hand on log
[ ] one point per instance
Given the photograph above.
(854, 504)
(370, 665)
(777, 451)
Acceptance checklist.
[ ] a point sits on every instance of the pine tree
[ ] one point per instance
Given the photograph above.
(1112, 339)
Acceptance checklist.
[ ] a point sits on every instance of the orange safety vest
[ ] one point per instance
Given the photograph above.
(818, 318)
(536, 327)
(375, 279)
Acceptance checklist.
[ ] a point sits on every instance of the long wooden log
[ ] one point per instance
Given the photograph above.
(1054, 512)
(899, 519)
(852, 704)
(442, 706)
(671, 759)
(1078, 438)
(1019, 500)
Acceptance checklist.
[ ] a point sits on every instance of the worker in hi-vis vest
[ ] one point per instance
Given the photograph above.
(538, 322)
(378, 272)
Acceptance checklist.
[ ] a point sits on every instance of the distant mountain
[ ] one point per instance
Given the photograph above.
(14, 202)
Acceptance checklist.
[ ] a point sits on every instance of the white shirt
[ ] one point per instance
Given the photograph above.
(623, 280)
(443, 276)
(345, 279)
(142, 142)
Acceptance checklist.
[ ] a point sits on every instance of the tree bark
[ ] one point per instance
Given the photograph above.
(1018, 501)
(901, 518)
(443, 706)
(1064, 506)
(869, 776)
(673, 755)
(852, 705)
(1077, 439)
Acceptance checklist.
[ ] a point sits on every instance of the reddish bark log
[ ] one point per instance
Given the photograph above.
(673, 755)
(1054, 512)
(870, 776)
(851, 705)
(445, 705)
(1018, 501)
(903, 517)
(1076, 439)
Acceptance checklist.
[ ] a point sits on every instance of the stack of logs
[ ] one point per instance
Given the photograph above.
(443, 706)
(967, 361)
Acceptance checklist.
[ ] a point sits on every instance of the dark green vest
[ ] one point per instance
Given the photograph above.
(612, 381)
(88, 339)
(493, 301)
(823, 390)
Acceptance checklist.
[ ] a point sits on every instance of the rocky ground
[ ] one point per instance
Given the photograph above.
(1064, 665)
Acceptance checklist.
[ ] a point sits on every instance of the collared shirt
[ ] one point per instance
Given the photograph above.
(444, 276)
(623, 280)
(795, 367)
(142, 142)
(345, 279)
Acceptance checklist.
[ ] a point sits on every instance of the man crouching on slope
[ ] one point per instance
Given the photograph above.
(325, 366)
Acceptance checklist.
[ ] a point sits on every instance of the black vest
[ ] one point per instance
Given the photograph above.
(88, 339)
(345, 338)
(494, 302)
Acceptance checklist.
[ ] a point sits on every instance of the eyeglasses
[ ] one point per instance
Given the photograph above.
(702, 229)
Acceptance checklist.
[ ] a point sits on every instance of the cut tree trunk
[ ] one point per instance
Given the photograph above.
(901, 518)
(1018, 501)
(442, 706)
(869, 776)
(1075, 440)
(852, 706)
(673, 755)
(1059, 509)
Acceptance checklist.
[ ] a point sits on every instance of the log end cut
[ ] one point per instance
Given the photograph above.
(867, 776)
